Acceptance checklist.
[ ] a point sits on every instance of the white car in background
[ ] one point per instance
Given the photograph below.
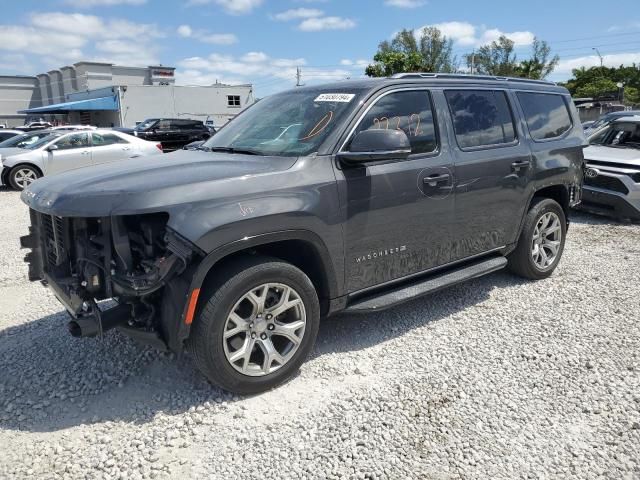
(612, 177)
(73, 127)
(61, 151)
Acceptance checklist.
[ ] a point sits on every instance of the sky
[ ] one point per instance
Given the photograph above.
(264, 42)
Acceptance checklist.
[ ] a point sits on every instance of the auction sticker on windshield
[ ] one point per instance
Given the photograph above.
(335, 97)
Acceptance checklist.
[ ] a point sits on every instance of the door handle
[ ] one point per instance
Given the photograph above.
(434, 180)
(86, 152)
(125, 149)
(518, 164)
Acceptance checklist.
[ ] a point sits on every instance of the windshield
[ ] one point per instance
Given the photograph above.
(291, 123)
(618, 134)
(146, 124)
(43, 141)
(23, 140)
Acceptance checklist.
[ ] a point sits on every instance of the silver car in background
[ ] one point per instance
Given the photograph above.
(612, 174)
(59, 151)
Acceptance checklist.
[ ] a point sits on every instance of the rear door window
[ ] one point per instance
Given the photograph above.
(481, 118)
(104, 139)
(547, 114)
(409, 111)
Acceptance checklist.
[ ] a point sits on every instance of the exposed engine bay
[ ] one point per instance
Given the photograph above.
(129, 259)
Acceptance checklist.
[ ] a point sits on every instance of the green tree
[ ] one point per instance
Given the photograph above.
(541, 64)
(597, 88)
(632, 95)
(595, 82)
(431, 52)
(496, 58)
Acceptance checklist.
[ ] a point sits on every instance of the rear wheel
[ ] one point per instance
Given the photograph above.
(257, 327)
(21, 176)
(541, 242)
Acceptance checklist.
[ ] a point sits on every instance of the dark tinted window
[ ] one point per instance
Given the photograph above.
(410, 112)
(480, 117)
(547, 115)
(5, 135)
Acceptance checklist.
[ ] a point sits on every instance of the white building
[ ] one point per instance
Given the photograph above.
(106, 95)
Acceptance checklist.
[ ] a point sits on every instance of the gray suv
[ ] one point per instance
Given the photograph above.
(354, 196)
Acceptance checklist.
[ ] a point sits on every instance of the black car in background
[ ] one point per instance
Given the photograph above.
(173, 133)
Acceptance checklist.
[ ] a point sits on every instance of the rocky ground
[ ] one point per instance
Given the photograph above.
(496, 378)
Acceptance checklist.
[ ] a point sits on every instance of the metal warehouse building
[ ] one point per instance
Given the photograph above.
(106, 95)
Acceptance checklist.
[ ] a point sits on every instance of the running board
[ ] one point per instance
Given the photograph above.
(431, 284)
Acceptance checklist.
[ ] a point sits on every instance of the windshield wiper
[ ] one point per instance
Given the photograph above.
(242, 151)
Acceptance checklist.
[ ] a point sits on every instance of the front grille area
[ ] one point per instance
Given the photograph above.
(607, 183)
(54, 239)
(625, 168)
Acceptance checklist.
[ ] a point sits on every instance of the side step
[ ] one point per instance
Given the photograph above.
(431, 284)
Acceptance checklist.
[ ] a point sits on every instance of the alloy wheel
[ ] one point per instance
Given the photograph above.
(25, 177)
(264, 329)
(547, 238)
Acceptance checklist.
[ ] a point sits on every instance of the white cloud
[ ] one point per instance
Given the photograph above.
(91, 26)
(219, 38)
(518, 38)
(60, 38)
(326, 23)
(354, 63)
(565, 67)
(405, 3)
(465, 34)
(296, 13)
(185, 31)
(16, 62)
(251, 67)
(205, 36)
(233, 7)
(626, 26)
(102, 3)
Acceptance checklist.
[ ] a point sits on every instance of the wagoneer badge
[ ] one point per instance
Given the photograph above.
(381, 253)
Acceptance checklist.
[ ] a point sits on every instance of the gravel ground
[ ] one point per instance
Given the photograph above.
(496, 378)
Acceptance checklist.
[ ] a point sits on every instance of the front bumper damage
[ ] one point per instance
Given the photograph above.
(127, 262)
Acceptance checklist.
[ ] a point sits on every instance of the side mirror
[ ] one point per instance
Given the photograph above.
(377, 144)
(52, 148)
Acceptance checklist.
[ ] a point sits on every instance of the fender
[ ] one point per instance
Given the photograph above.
(191, 300)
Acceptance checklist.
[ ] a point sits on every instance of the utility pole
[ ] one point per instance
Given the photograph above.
(473, 61)
(298, 77)
(599, 55)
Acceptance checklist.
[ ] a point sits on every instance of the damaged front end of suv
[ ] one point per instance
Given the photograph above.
(128, 259)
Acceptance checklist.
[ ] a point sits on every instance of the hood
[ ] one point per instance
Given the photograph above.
(628, 156)
(7, 152)
(147, 184)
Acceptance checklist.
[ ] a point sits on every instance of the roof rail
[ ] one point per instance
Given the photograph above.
(469, 76)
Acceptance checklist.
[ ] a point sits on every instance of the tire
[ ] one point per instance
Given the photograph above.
(523, 261)
(21, 176)
(231, 307)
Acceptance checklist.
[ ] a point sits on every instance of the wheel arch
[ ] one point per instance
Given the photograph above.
(10, 170)
(558, 192)
(302, 248)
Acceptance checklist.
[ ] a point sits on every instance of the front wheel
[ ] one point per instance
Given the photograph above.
(22, 176)
(541, 242)
(257, 327)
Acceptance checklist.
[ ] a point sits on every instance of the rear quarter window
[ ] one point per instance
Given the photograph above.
(547, 114)
(481, 118)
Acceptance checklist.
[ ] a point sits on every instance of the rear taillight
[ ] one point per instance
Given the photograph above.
(159, 145)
